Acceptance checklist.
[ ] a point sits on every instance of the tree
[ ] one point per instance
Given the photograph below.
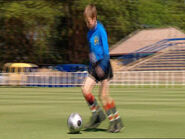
(54, 31)
(26, 27)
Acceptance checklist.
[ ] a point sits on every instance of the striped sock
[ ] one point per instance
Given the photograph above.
(93, 105)
(115, 112)
(107, 109)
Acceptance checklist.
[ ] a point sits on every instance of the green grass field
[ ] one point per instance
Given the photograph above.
(41, 113)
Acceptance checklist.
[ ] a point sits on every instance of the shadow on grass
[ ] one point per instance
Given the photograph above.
(74, 133)
(95, 130)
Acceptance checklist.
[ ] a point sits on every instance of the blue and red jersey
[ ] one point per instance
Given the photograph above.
(98, 46)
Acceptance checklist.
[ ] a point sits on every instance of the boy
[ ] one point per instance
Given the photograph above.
(99, 71)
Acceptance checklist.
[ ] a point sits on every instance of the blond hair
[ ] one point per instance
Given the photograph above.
(90, 11)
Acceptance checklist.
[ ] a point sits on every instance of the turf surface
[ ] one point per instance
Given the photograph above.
(41, 113)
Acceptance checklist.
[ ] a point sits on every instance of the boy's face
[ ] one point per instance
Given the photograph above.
(90, 22)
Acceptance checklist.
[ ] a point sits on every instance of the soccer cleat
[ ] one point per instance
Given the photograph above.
(118, 125)
(95, 120)
(111, 127)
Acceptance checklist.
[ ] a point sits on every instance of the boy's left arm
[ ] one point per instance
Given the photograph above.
(102, 66)
(106, 57)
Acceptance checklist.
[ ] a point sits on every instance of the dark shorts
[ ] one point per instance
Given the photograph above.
(108, 74)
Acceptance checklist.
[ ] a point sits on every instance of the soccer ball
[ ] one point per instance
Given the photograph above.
(74, 123)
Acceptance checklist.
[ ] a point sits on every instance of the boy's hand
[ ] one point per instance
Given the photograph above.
(99, 71)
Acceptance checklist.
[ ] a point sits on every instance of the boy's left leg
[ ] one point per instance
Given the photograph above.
(109, 106)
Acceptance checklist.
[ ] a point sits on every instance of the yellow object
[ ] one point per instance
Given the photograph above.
(19, 67)
(16, 72)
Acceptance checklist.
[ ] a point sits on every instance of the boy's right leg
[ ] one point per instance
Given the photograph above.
(97, 114)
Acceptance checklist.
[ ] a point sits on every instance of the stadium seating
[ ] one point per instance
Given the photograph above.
(168, 54)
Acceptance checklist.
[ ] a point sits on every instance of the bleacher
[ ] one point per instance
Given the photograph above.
(168, 54)
(166, 43)
(150, 49)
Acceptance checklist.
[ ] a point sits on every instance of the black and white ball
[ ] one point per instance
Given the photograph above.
(74, 123)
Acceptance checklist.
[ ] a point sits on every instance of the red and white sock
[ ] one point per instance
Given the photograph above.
(93, 105)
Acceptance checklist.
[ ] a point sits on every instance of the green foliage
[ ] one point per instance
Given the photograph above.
(161, 13)
(54, 31)
(176, 12)
(32, 12)
(28, 24)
